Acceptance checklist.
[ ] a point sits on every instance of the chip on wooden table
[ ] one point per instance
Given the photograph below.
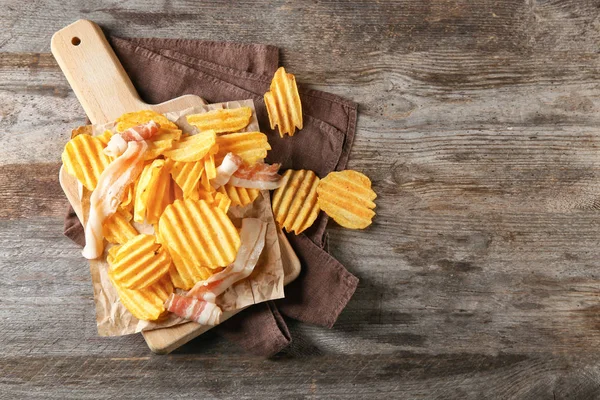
(201, 234)
(347, 197)
(250, 146)
(192, 148)
(84, 158)
(139, 262)
(295, 202)
(117, 228)
(283, 103)
(147, 303)
(222, 120)
(239, 196)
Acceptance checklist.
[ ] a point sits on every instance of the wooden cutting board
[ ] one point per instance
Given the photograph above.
(105, 92)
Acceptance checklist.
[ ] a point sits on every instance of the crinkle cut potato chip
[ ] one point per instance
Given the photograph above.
(105, 137)
(139, 262)
(192, 148)
(84, 158)
(201, 234)
(222, 120)
(239, 196)
(117, 229)
(295, 201)
(152, 192)
(347, 197)
(129, 120)
(186, 174)
(251, 146)
(283, 103)
(145, 304)
(156, 148)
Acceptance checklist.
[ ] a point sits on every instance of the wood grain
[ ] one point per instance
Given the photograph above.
(478, 123)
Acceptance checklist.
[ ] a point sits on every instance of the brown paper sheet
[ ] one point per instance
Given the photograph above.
(265, 283)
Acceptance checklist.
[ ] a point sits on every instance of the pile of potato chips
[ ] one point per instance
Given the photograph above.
(193, 236)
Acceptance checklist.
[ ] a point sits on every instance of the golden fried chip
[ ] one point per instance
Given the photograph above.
(157, 147)
(84, 159)
(192, 148)
(222, 201)
(347, 197)
(295, 202)
(117, 229)
(152, 192)
(221, 121)
(105, 137)
(187, 281)
(127, 201)
(251, 146)
(187, 175)
(129, 120)
(147, 303)
(140, 262)
(239, 196)
(283, 103)
(209, 167)
(200, 234)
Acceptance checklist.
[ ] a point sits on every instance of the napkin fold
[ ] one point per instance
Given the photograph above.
(162, 69)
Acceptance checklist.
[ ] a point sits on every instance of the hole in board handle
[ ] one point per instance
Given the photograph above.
(75, 41)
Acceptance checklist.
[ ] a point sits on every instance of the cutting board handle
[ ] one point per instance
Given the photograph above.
(94, 72)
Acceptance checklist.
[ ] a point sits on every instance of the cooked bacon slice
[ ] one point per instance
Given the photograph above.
(118, 142)
(108, 193)
(258, 176)
(228, 166)
(200, 311)
(252, 237)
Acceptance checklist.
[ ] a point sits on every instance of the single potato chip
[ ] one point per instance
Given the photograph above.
(140, 262)
(152, 192)
(117, 229)
(210, 170)
(283, 103)
(129, 120)
(187, 175)
(192, 148)
(157, 147)
(239, 196)
(347, 197)
(222, 201)
(221, 121)
(84, 158)
(187, 281)
(200, 234)
(251, 146)
(146, 304)
(295, 202)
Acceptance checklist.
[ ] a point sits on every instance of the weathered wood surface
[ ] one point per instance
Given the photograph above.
(480, 278)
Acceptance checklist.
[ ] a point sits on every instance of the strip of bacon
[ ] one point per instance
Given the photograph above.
(200, 311)
(118, 142)
(228, 166)
(258, 176)
(108, 193)
(252, 237)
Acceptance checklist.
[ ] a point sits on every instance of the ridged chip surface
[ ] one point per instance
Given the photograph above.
(192, 148)
(83, 158)
(347, 197)
(239, 196)
(129, 120)
(201, 235)
(221, 121)
(148, 303)
(117, 228)
(251, 146)
(152, 192)
(187, 175)
(283, 103)
(295, 202)
(139, 262)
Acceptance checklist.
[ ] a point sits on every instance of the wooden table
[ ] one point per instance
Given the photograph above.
(479, 124)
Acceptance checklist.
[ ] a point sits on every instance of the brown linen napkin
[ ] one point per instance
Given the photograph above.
(162, 69)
